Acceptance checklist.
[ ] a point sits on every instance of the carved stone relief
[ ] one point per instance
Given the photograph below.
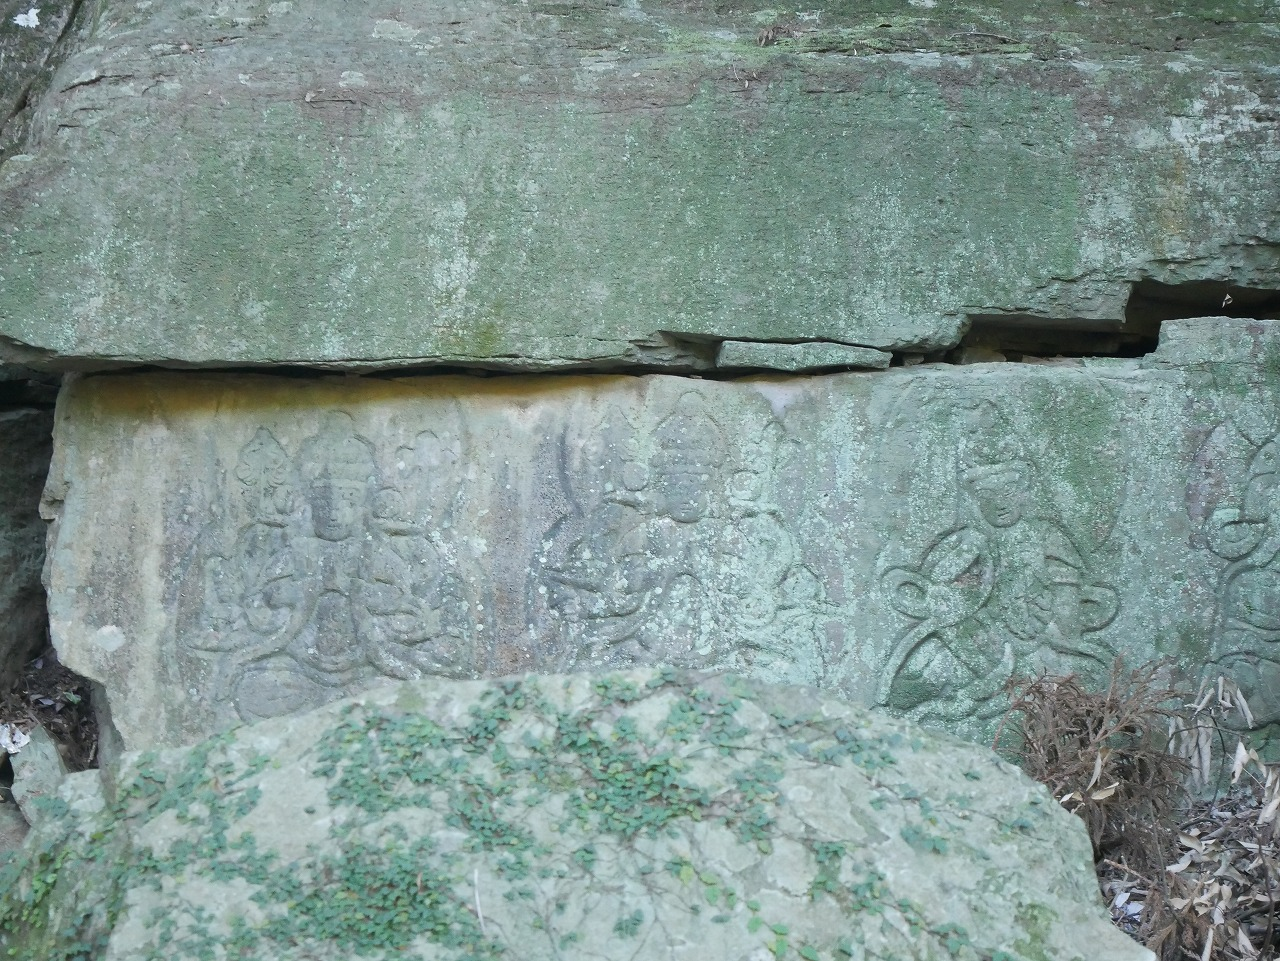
(340, 573)
(1235, 495)
(677, 552)
(912, 538)
(995, 591)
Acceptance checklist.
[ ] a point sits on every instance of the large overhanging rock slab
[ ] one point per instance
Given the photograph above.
(544, 185)
(648, 815)
(232, 548)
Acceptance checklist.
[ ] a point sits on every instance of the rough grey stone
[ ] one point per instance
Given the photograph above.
(26, 441)
(645, 815)
(29, 39)
(38, 770)
(230, 548)
(798, 357)
(13, 828)
(551, 185)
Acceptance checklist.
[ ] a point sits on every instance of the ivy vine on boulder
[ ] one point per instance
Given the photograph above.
(646, 814)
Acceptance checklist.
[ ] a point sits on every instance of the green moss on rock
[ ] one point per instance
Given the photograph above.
(558, 817)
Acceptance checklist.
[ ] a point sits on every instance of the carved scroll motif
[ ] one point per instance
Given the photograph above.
(993, 593)
(677, 554)
(339, 574)
(1237, 495)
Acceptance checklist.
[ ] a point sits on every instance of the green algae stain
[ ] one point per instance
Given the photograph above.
(1037, 920)
(475, 228)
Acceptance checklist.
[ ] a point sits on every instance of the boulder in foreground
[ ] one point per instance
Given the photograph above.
(646, 814)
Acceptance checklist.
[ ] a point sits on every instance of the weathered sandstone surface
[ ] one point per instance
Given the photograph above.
(643, 815)
(235, 548)
(547, 185)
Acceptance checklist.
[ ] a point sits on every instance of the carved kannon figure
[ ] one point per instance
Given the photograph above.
(991, 593)
(415, 619)
(336, 578)
(242, 610)
(628, 586)
(1246, 630)
(678, 561)
(314, 579)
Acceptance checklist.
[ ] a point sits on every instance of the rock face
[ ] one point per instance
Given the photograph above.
(647, 815)
(26, 441)
(235, 548)
(29, 43)
(13, 827)
(551, 185)
(38, 770)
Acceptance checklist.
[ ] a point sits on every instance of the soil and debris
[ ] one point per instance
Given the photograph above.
(1184, 841)
(49, 694)
(1218, 900)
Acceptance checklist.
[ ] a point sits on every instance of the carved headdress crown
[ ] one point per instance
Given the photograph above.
(989, 445)
(336, 454)
(688, 439)
(263, 461)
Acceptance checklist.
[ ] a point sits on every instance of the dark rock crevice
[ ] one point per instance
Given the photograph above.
(1020, 335)
(1153, 302)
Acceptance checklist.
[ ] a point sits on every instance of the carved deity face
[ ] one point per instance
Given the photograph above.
(684, 496)
(1001, 495)
(336, 508)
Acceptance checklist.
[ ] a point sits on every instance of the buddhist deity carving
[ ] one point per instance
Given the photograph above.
(990, 596)
(1235, 494)
(676, 553)
(338, 575)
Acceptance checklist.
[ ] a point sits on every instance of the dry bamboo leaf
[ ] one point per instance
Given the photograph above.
(1201, 704)
(1238, 763)
(1182, 864)
(1203, 764)
(1244, 709)
(1269, 812)
(1244, 945)
(1097, 770)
